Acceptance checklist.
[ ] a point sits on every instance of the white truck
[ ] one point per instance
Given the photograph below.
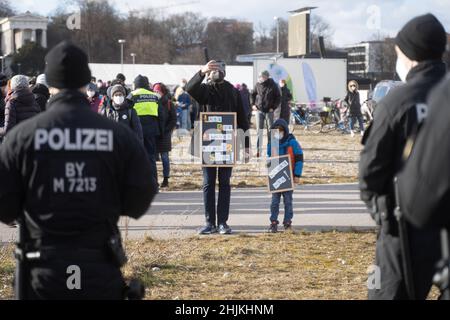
(310, 80)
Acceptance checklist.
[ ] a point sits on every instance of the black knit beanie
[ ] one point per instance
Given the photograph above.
(422, 38)
(67, 67)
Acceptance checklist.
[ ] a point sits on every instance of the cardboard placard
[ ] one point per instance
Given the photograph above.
(280, 174)
(218, 139)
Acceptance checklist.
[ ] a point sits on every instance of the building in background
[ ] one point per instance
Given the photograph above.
(375, 60)
(17, 30)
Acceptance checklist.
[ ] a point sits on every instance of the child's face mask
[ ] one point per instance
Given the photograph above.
(278, 135)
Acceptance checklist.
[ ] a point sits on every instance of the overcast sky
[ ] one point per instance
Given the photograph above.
(352, 21)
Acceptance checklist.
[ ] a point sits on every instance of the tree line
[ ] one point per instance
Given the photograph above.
(158, 38)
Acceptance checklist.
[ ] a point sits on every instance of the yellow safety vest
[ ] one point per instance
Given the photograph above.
(145, 102)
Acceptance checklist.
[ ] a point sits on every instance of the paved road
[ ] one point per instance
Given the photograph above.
(180, 214)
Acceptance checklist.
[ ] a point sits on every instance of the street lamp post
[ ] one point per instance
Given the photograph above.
(122, 42)
(19, 65)
(3, 64)
(133, 55)
(278, 33)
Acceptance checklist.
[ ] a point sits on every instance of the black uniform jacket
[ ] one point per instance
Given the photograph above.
(424, 185)
(396, 118)
(72, 172)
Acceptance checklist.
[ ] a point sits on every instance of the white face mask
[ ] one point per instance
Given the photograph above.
(402, 70)
(90, 94)
(278, 135)
(118, 100)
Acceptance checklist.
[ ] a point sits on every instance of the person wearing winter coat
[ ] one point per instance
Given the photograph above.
(20, 104)
(285, 144)
(164, 142)
(184, 103)
(41, 92)
(354, 101)
(218, 95)
(101, 87)
(93, 97)
(286, 98)
(245, 96)
(120, 109)
(266, 98)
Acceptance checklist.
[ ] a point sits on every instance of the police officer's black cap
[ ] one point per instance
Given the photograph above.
(67, 67)
(422, 38)
(141, 82)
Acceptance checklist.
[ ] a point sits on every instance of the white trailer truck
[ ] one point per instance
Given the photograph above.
(310, 80)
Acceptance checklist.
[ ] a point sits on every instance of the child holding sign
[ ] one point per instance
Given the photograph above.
(284, 143)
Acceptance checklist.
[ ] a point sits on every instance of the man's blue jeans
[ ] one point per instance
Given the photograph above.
(209, 194)
(288, 206)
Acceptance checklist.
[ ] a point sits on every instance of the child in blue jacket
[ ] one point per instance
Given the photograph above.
(284, 143)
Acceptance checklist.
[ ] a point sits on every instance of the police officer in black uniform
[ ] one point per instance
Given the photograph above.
(420, 46)
(68, 175)
(424, 184)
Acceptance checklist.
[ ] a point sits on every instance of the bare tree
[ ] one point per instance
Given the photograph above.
(284, 35)
(101, 28)
(186, 30)
(193, 55)
(320, 28)
(266, 41)
(227, 38)
(385, 57)
(263, 40)
(6, 9)
(150, 49)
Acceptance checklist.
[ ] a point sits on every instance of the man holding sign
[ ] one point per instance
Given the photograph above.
(218, 96)
(280, 181)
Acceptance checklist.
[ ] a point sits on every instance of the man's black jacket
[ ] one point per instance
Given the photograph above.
(266, 96)
(219, 97)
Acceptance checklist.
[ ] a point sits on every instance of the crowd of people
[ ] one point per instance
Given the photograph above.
(22, 97)
(70, 173)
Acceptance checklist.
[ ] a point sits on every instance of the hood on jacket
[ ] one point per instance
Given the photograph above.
(283, 124)
(23, 95)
